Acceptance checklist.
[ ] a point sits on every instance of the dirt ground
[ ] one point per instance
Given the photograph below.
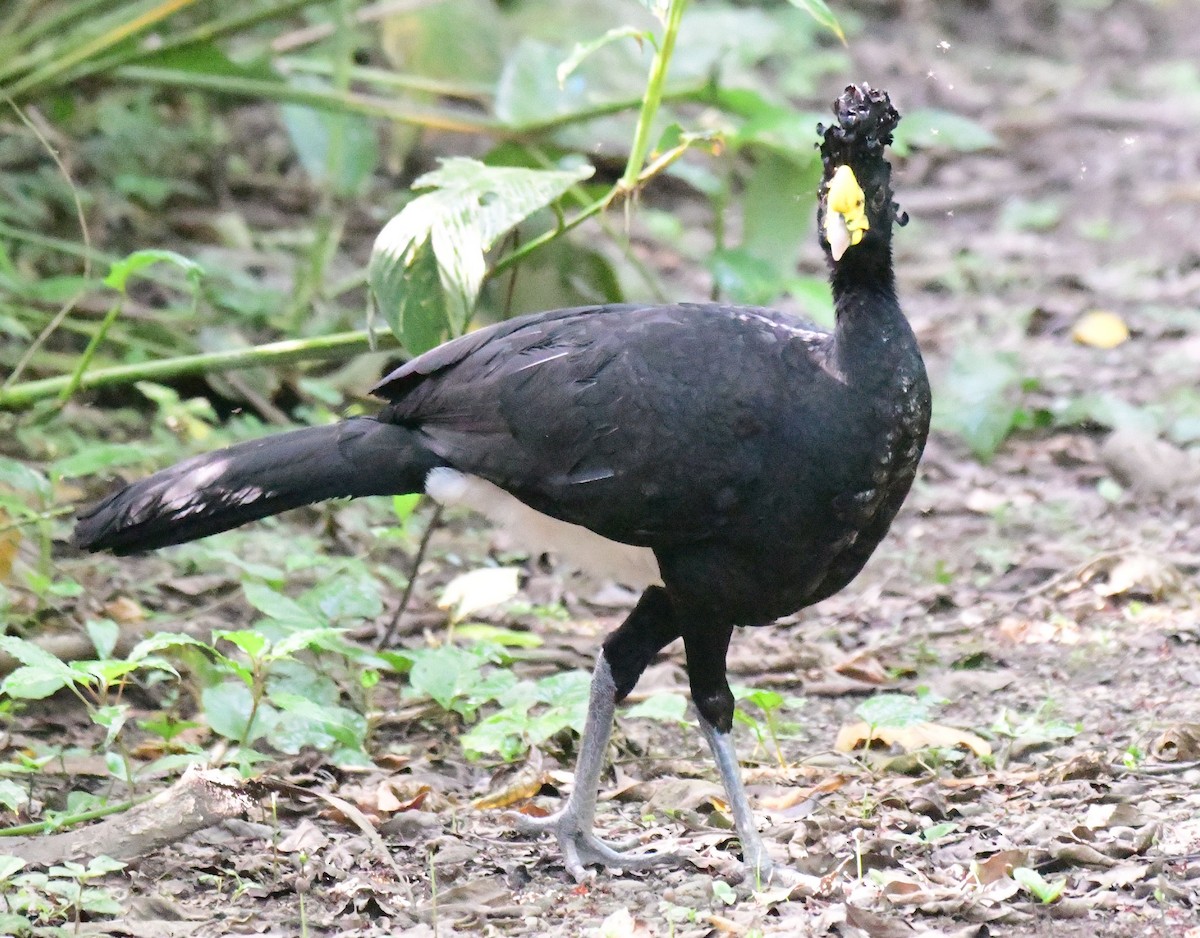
(1053, 587)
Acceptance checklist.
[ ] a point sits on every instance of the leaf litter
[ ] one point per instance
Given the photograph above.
(1048, 594)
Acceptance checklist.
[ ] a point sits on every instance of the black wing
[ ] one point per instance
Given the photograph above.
(652, 425)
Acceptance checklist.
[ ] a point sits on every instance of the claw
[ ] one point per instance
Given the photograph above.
(581, 848)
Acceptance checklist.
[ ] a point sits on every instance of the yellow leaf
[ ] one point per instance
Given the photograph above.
(1100, 329)
(910, 738)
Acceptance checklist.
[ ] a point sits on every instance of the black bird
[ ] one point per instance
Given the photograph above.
(740, 464)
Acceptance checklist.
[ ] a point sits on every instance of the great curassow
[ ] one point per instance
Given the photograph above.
(739, 464)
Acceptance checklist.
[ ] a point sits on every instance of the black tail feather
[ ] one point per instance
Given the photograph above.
(222, 490)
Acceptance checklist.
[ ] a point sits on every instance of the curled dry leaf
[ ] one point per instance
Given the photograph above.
(910, 738)
(1180, 743)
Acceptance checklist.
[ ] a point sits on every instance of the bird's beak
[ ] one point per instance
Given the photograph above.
(845, 212)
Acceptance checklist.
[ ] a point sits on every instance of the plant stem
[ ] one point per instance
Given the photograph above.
(338, 345)
(653, 96)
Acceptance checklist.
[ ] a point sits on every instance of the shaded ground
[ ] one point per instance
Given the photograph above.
(1033, 585)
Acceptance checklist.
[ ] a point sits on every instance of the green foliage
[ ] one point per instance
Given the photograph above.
(893, 710)
(1044, 891)
(62, 895)
(982, 399)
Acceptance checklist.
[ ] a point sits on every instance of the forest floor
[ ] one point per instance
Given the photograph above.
(1046, 598)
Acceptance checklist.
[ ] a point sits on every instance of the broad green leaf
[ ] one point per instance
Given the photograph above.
(404, 505)
(346, 597)
(445, 674)
(930, 128)
(668, 708)
(1046, 892)
(337, 149)
(275, 605)
(162, 642)
(10, 865)
(97, 457)
(17, 475)
(979, 398)
(510, 638)
(104, 634)
(252, 643)
(30, 654)
(227, 708)
(744, 278)
(819, 11)
(122, 270)
(13, 797)
(895, 710)
(410, 296)
(33, 683)
(583, 49)
(471, 207)
(779, 203)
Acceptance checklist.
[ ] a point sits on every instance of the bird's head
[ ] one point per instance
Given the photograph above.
(856, 209)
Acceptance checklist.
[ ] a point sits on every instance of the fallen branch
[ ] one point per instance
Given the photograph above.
(200, 799)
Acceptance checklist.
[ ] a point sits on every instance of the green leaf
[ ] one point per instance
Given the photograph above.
(778, 209)
(403, 506)
(97, 457)
(32, 683)
(337, 149)
(744, 278)
(930, 128)
(978, 398)
(104, 634)
(13, 797)
(509, 638)
(227, 709)
(252, 643)
(275, 605)
(583, 49)
(23, 478)
(346, 597)
(898, 710)
(667, 708)
(472, 206)
(444, 674)
(10, 865)
(1046, 892)
(122, 270)
(819, 11)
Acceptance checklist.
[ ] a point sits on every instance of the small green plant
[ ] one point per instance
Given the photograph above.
(61, 896)
(770, 726)
(1032, 882)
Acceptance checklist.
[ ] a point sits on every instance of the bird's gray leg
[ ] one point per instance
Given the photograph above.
(706, 645)
(631, 647)
(757, 863)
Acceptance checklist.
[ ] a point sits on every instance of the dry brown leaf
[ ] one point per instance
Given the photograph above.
(1100, 329)
(795, 796)
(1135, 574)
(998, 866)
(10, 539)
(1180, 743)
(520, 787)
(910, 738)
(124, 611)
(864, 667)
(1030, 632)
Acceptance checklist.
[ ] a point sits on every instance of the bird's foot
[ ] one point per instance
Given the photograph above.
(581, 848)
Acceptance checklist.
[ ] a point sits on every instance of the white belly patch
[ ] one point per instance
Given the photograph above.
(631, 566)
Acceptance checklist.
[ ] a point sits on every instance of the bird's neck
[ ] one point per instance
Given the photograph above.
(872, 334)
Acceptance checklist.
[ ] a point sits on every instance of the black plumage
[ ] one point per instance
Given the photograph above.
(761, 460)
